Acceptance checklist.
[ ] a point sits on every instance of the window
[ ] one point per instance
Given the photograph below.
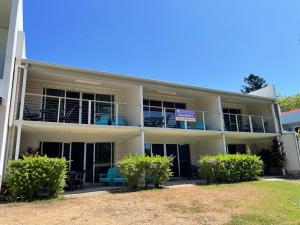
(230, 119)
(236, 148)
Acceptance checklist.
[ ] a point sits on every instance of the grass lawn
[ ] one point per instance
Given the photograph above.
(260, 202)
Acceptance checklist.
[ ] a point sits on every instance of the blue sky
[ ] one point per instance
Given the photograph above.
(206, 43)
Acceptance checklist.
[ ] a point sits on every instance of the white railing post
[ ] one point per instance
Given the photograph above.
(165, 117)
(117, 114)
(58, 110)
(203, 118)
(237, 125)
(250, 124)
(263, 124)
(80, 109)
(185, 124)
(89, 112)
(22, 103)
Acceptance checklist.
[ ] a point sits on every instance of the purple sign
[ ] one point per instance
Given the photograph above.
(185, 115)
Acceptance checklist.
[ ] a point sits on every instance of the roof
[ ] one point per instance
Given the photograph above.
(290, 117)
(142, 80)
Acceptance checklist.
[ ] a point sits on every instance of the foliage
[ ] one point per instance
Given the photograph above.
(273, 158)
(288, 103)
(253, 83)
(141, 170)
(36, 176)
(230, 168)
(29, 151)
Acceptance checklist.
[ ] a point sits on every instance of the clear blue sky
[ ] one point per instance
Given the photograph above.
(210, 43)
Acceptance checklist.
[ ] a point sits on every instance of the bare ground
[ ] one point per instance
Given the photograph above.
(181, 205)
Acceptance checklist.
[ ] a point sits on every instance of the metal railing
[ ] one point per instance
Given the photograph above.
(81, 111)
(164, 117)
(248, 123)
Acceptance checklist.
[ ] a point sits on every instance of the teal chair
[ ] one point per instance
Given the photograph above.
(181, 125)
(121, 121)
(118, 178)
(199, 125)
(103, 120)
(107, 178)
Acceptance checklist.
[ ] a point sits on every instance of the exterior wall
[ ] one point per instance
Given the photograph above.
(254, 145)
(3, 42)
(291, 145)
(213, 146)
(14, 48)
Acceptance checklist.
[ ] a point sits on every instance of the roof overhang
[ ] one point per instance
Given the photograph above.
(38, 65)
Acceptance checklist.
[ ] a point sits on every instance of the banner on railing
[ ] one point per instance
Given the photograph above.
(185, 115)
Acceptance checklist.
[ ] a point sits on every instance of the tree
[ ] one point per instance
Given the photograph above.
(253, 83)
(288, 103)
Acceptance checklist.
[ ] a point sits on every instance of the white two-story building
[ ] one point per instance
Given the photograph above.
(96, 118)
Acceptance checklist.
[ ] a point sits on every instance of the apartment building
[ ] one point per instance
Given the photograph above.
(96, 118)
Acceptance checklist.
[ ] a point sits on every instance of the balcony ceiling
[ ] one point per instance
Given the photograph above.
(5, 6)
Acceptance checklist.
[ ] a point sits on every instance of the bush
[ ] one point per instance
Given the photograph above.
(140, 171)
(230, 168)
(33, 177)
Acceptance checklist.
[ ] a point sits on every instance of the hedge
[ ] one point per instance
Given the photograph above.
(230, 168)
(36, 176)
(139, 171)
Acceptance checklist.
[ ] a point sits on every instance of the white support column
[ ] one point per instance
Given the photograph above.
(18, 142)
(203, 118)
(80, 109)
(250, 123)
(141, 92)
(58, 110)
(224, 144)
(14, 96)
(263, 124)
(89, 112)
(275, 119)
(237, 123)
(24, 81)
(117, 114)
(142, 143)
(221, 113)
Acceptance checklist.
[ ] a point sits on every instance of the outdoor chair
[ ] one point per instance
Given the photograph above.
(31, 116)
(103, 120)
(67, 116)
(121, 121)
(118, 178)
(199, 125)
(107, 177)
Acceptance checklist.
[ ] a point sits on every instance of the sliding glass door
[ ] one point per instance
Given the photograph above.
(181, 164)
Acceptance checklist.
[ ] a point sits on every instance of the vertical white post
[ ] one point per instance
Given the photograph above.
(275, 119)
(18, 141)
(250, 124)
(203, 118)
(185, 124)
(221, 113)
(224, 144)
(142, 143)
(80, 109)
(165, 117)
(141, 106)
(237, 124)
(263, 124)
(89, 112)
(70, 155)
(117, 114)
(24, 81)
(58, 110)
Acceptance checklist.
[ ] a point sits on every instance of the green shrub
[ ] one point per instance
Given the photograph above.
(230, 168)
(140, 171)
(33, 177)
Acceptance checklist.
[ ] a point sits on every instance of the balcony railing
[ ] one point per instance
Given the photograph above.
(164, 117)
(248, 123)
(81, 111)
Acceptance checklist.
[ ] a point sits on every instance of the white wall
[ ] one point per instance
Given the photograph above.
(3, 41)
(268, 91)
(291, 147)
(134, 145)
(14, 49)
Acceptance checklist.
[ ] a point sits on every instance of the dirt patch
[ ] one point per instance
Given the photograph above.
(184, 205)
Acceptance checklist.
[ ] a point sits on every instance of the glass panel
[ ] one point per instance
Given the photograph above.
(52, 149)
(71, 114)
(155, 103)
(185, 161)
(85, 108)
(148, 149)
(104, 158)
(77, 156)
(158, 149)
(146, 102)
(66, 153)
(169, 104)
(180, 106)
(172, 151)
(89, 162)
